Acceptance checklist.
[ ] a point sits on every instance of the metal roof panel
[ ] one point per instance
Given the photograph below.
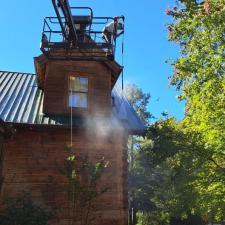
(21, 102)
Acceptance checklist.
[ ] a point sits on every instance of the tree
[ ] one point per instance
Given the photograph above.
(181, 166)
(139, 100)
(163, 165)
(199, 73)
(168, 168)
(82, 187)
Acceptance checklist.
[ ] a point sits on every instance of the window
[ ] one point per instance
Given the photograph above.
(78, 92)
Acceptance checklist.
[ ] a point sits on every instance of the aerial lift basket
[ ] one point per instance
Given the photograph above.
(75, 34)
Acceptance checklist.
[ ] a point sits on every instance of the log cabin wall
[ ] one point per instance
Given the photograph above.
(1, 161)
(32, 162)
(57, 87)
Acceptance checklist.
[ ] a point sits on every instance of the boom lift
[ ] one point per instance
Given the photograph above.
(72, 35)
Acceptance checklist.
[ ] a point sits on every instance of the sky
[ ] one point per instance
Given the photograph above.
(146, 43)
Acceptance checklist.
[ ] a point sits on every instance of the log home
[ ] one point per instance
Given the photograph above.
(36, 110)
(73, 99)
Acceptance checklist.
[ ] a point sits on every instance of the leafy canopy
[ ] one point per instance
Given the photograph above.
(198, 27)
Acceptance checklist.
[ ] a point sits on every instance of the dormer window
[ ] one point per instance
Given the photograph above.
(78, 92)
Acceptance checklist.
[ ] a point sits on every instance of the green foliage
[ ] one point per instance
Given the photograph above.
(139, 100)
(153, 218)
(180, 168)
(198, 28)
(172, 173)
(199, 73)
(22, 211)
(190, 220)
(82, 189)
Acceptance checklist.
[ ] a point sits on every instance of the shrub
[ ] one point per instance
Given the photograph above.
(22, 211)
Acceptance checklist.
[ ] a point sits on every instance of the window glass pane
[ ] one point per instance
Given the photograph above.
(78, 100)
(83, 84)
(79, 84)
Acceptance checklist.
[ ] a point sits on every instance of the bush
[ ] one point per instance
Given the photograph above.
(191, 220)
(162, 218)
(152, 218)
(22, 211)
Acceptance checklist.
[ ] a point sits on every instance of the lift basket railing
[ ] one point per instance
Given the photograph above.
(56, 37)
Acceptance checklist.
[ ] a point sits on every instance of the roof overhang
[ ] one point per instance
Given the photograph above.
(116, 70)
(40, 63)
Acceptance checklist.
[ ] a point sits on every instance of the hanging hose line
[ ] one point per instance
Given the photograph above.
(71, 121)
(123, 61)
